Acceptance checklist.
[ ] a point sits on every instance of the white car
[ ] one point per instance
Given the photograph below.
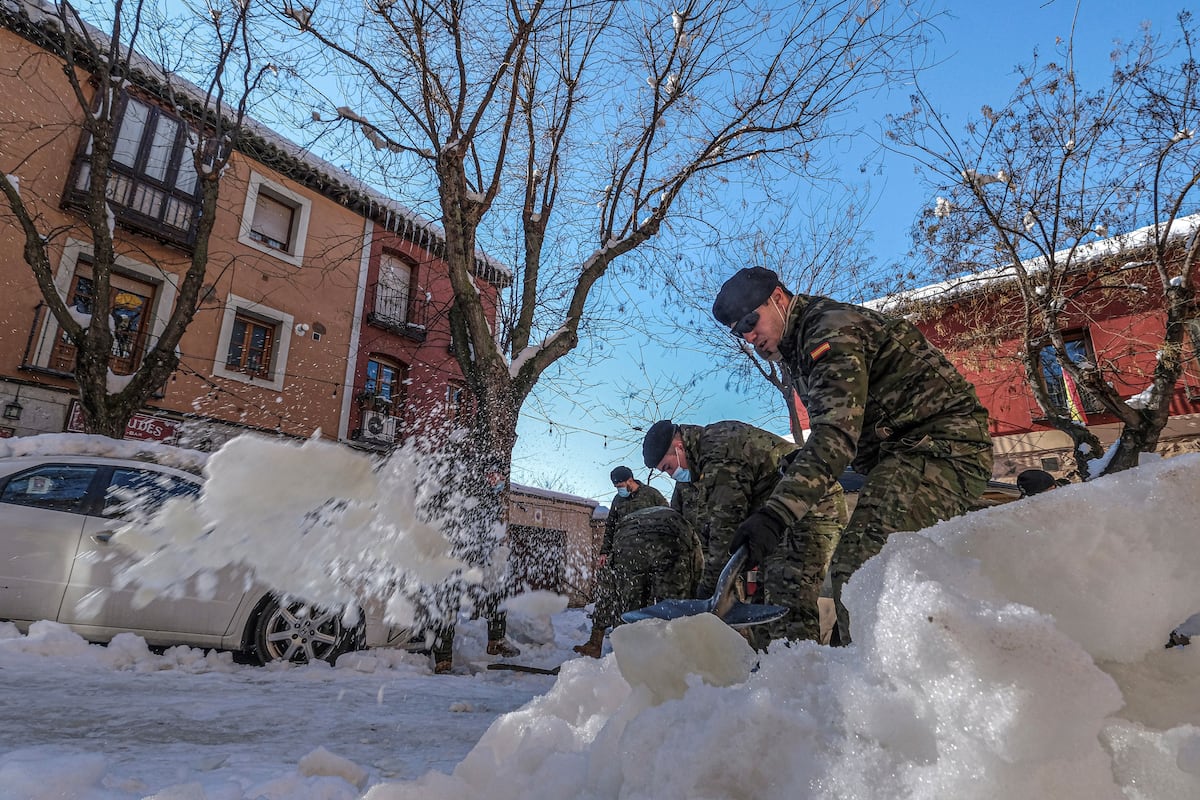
(57, 515)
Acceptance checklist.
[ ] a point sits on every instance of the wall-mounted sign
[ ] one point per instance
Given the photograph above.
(141, 426)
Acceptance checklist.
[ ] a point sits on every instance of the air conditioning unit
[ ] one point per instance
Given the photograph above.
(378, 427)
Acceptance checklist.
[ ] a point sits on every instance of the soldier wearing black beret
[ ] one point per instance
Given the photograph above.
(880, 398)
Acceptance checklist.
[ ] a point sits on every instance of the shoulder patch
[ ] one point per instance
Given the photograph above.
(819, 351)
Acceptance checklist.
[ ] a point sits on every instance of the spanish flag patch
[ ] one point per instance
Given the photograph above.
(819, 351)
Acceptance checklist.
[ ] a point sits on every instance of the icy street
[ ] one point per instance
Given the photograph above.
(84, 721)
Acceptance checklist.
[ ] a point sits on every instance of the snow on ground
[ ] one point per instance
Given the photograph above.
(1013, 653)
(85, 722)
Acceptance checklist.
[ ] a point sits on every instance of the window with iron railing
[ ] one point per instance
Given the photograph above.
(392, 302)
(391, 293)
(152, 185)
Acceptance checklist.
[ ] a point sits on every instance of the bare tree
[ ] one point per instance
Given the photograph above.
(583, 130)
(1030, 195)
(100, 69)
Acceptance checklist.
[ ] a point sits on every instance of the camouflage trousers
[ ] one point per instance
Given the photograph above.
(658, 559)
(913, 486)
(793, 574)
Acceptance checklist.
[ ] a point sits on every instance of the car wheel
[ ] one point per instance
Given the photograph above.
(300, 633)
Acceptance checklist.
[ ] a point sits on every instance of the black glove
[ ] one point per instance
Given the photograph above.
(760, 533)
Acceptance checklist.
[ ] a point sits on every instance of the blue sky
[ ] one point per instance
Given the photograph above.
(573, 445)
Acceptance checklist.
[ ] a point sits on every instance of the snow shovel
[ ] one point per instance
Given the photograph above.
(723, 603)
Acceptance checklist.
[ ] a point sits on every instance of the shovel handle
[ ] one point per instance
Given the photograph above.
(725, 596)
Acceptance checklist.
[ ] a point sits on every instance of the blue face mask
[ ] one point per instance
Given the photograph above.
(682, 475)
(622, 492)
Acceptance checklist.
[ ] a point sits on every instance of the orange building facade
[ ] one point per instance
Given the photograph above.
(324, 304)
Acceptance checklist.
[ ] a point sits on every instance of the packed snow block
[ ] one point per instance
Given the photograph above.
(323, 762)
(48, 638)
(1163, 690)
(1114, 561)
(1153, 765)
(659, 655)
(50, 773)
(530, 613)
(545, 749)
(992, 676)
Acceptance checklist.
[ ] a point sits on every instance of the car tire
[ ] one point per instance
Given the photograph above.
(299, 633)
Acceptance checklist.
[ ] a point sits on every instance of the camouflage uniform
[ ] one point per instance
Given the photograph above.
(881, 398)
(735, 468)
(621, 507)
(655, 556)
(644, 497)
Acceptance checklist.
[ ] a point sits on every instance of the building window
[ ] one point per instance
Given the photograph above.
(382, 400)
(252, 347)
(152, 185)
(392, 291)
(275, 220)
(386, 387)
(272, 223)
(1067, 398)
(129, 319)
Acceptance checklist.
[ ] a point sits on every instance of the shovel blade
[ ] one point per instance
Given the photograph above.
(669, 609)
(743, 615)
(723, 603)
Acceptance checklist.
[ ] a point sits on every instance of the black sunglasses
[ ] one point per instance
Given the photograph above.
(745, 324)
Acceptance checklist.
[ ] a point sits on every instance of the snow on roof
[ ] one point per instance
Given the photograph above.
(84, 444)
(533, 491)
(377, 205)
(946, 291)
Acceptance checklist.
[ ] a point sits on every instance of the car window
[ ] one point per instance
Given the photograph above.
(58, 487)
(143, 490)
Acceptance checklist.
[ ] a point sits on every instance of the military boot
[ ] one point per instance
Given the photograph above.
(593, 646)
(503, 648)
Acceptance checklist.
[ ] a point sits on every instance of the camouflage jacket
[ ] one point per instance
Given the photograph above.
(868, 381)
(735, 468)
(644, 497)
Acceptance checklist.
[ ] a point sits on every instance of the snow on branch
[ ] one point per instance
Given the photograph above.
(301, 14)
(979, 180)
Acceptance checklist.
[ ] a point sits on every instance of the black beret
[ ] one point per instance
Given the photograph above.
(621, 474)
(1034, 481)
(657, 442)
(748, 289)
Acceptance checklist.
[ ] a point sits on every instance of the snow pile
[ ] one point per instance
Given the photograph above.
(1015, 652)
(82, 444)
(531, 615)
(126, 651)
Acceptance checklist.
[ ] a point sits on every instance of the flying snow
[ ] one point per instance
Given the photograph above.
(317, 520)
